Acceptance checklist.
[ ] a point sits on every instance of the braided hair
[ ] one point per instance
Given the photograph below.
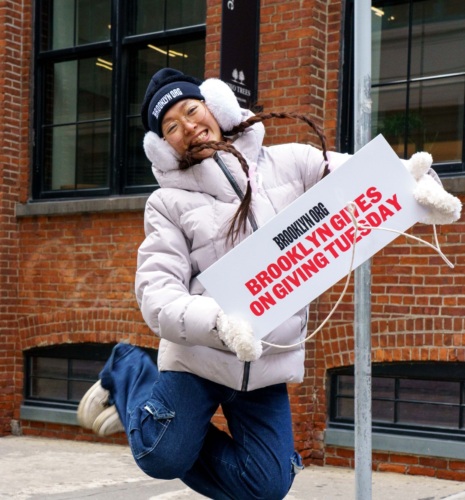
(239, 220)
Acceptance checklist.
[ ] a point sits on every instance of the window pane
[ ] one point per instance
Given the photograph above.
(94, 88)
(92, 21)
(389, 42)
(383, 411)
(140, 171)
(67, 23)
(389, 117)
(148, 15)
(436, 118)
(345, 408)
(62, 15)
(428, 415)
(49, 389)
(429, 390)
(185, 13)
(93, 155)
(78, 110)
(60, 158)
(79, 157)
(383, 387)
(46, 367)
(77, 389)
(62, 81)
(84, 368)
(78, 90)
(345, 385)
(438, 37)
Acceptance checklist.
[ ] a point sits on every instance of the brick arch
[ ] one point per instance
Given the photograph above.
(90, 325)
(399, 339)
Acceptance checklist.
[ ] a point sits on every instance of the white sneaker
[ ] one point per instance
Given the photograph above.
(94, 402)
(108, 422)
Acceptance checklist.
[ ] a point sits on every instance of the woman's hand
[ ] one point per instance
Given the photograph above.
(237, 335)
(443, 208)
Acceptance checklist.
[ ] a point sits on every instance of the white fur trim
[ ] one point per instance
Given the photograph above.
(222, 103)
(419, 164)
(443, 208)
(238, 336)
(161, 154)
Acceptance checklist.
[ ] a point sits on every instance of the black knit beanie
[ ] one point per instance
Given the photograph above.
(166, 88)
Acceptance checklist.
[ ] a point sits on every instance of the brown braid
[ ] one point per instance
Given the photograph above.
(259, 117)
(239, 221)
(240, 217)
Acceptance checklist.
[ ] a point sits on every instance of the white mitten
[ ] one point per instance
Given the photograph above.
(237, 335)
(443, 208)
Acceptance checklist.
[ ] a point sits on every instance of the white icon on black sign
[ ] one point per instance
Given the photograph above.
(238, 77)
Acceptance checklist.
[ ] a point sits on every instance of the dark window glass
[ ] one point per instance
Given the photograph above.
(59, 376)
(418, 79)
(94, 60)
(67, 23)
(423, 399)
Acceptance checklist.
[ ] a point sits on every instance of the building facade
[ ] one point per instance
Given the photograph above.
(74, 180)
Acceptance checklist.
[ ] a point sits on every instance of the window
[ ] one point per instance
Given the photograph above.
(59, 376)
(418, 78)
(94, 60)
(418, 399)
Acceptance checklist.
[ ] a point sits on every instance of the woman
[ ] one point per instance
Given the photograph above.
(218, 184)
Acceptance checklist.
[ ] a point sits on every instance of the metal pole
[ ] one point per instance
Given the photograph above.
(362, 325)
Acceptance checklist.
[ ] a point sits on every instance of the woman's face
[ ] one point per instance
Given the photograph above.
(189, 123)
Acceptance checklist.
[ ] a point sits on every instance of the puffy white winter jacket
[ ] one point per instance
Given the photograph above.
(186, 222)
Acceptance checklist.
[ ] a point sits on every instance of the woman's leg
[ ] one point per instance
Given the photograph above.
(167, 419)
(259, 461)
(166, 415)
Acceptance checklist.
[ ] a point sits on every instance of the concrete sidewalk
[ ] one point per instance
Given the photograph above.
(38, 468)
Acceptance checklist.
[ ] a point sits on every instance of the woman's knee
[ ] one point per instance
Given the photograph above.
(154, 443)
(269, 484)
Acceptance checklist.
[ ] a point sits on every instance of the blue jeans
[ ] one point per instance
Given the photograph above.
(167, 417)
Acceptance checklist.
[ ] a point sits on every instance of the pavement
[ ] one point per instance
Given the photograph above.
(53, 469)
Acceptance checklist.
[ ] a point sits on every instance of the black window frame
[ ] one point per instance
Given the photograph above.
(398, 371)
(346, 135)
(69, 352)
(120, 46)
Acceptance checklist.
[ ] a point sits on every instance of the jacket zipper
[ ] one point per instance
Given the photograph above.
(253, 223)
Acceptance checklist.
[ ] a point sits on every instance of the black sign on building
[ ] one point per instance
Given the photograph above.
(239, 48)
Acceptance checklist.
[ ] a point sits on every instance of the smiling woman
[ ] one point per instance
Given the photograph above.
(190, 123)
(207, 153)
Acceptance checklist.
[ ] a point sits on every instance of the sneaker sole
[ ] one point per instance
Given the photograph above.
(108, 422)
(85, 417)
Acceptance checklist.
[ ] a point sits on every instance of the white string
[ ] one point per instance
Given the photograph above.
(434, 247)
(351, 209)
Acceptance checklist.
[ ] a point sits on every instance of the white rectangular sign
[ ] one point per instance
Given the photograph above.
(307, 248)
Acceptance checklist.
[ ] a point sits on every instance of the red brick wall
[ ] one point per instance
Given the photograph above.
(76, 284)
(14, 154)
(70, 279)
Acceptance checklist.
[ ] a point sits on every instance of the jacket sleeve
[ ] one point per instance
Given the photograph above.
(162, 284)
(311, 163)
